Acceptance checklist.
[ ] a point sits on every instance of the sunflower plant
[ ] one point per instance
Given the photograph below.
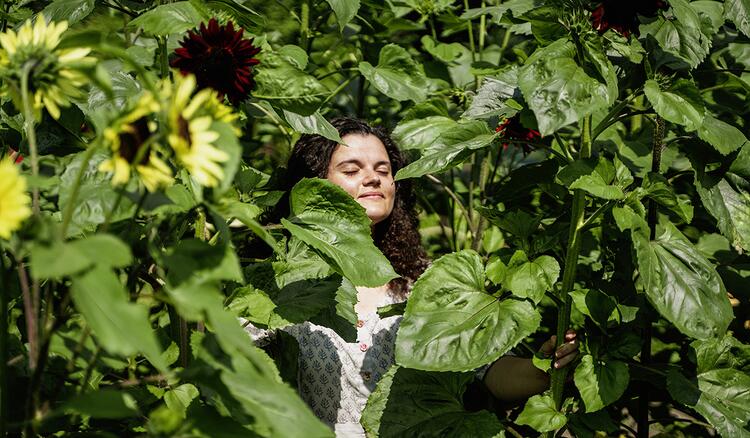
(583, 163)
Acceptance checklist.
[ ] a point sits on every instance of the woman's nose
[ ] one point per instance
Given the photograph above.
(371, 178)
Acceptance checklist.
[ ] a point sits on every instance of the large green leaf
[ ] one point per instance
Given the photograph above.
(679, 281)
(416, 403)
(681, 103)
(725, 194)
(724, 137)
(451, 148)
(337, 228)
(446, 53)
(726, 352)
(253, 397)
(600, 382)
(720, 390)
(103, 403)
(193, 260)
(558, 90)
(498, 96)
(345, 10)
(680, 36)
(527, 278)
(720, 395)
(121, 327)
(71, 10)
(287, 87)
(422, 133)
(169, 18)
(452, 324)
(540, 413)
(597, 177)
(96, 196)
(295, 302)
(738, 11)
(180, 398)
(397, 75)
(68, 258)
(312, 124)
(300, 287)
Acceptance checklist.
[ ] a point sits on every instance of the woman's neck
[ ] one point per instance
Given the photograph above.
(368, 298)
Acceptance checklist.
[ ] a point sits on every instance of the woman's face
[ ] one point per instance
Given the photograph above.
(363, 170)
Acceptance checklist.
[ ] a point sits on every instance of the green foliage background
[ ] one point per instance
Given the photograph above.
(628, 219)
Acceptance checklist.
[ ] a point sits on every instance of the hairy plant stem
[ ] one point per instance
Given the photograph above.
(644, 395)
(32, 329)
(304, 27)
(571, 263)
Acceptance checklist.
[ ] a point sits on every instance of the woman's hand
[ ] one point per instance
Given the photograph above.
(512, 379)
(567, 352)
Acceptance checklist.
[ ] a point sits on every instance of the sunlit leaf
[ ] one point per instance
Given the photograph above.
(677, 279)
(397, 75)
(332, 223)
(540, 414)
(452, 324)
(168, 18)
(557, 89)
(681, 103)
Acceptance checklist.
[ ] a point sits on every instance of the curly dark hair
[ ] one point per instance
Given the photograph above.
(397, 236)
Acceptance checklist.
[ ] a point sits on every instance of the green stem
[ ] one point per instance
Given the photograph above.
(482, 30)
(304, 29)
(32, 328)
(609, 118)
(470, 28)
(28, 126)
(163, 64)
(504, 46)
(571, 263)
(656, 150)
(337, 90)
(454, 197)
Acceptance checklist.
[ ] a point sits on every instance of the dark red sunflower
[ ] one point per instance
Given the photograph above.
(512, 130)
(219, 58)
(622, 15)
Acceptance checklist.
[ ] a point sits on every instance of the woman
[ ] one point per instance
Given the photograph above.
(336, 377)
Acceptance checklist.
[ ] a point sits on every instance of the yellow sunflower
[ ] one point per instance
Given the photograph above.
(55, 74)
(190, 135)
(14, 201)
(130, 137)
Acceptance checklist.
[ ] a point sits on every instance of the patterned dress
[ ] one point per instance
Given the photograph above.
(336, 377)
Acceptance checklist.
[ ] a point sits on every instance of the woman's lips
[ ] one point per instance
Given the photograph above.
(371, 195)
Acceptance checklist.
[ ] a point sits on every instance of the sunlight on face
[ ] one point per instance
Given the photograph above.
(363, 170)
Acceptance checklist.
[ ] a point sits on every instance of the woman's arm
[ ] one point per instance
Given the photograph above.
(512, 379)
